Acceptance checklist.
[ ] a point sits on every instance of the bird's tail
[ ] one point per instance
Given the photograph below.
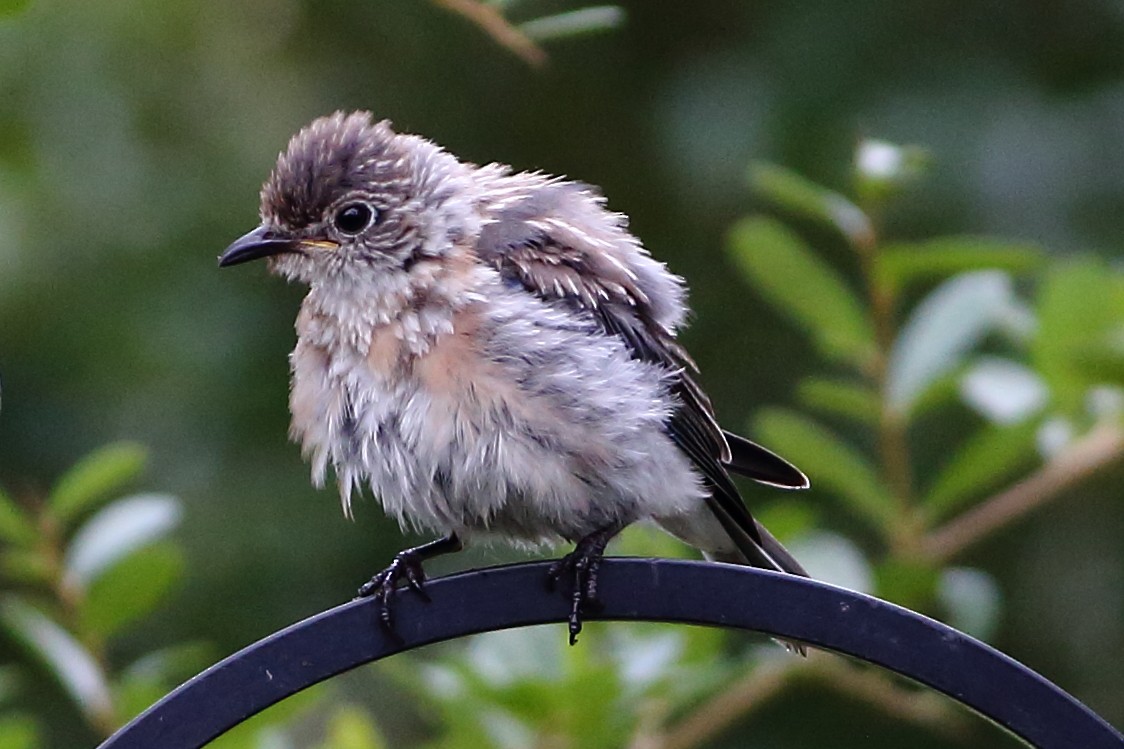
(760, 549)
(770, 554)
(780, 557)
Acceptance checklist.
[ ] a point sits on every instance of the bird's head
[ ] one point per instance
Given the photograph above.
(350, 197)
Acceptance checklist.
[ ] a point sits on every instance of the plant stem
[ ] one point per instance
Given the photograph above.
(893, 438)
(491, 21)
(69, 601)
(767, 680)
(720, 712)
(1100, 448)
(882, 691)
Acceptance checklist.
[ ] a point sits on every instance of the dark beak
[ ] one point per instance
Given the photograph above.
(256, 244)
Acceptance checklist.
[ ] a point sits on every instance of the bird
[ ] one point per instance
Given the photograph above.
(495, 356)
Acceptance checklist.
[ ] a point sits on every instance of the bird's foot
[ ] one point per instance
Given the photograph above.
(581, 566)
(407, 565)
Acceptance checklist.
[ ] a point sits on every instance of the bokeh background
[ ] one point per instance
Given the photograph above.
(134, 137)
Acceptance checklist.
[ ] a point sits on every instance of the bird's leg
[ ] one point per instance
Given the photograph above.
(407, 565)
(582, 565)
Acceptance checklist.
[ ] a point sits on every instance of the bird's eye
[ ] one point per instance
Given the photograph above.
(353, 218)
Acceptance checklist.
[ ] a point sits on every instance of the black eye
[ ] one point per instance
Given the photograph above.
(354, 218)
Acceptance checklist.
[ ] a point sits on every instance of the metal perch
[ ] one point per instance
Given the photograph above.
(784, 606)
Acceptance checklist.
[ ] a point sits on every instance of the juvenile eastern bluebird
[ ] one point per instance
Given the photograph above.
(495, 355)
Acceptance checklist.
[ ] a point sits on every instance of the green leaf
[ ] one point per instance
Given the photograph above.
(133, 696)
(75, 669)
(10, 8)
(943, 328)
(971, 599)
(131, 588)
(901, 264)
(15, 526)
(150, 677)
(912, 584)
(790, 276)
(643, 540)
(574, 23)
(19, 731)
(351, 728)
(116, 531)
(30, 566)
(787, 518)
(851, 400)
(993, 454)
(1080, 310)
(11, 683)
(940, 393)
(94, 480)
(1102, 363)
(513, 688)
(256, 731)
(806, 199)
(173, 664)
(835, 465)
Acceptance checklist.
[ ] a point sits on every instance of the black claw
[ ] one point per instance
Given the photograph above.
(415, 578)
(558, 570)
(554, 573)
(581, 565)
(575, 618)
(381, 586)
(591, 581)
(407, 565)
(372, 586)
(385, 616)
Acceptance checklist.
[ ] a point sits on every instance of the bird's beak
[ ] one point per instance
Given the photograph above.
(256, 244)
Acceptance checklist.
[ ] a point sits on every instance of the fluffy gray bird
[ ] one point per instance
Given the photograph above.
(495, 355)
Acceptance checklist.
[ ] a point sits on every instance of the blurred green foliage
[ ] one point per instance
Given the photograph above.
(945, 323)
(80, 566)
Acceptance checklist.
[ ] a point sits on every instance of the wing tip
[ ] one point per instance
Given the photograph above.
(764, 466)
(794, 485)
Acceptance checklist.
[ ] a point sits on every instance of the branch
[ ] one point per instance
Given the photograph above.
(1099, 449)
(492, 23)
(876, 688)
(725, 708)
(879, 689)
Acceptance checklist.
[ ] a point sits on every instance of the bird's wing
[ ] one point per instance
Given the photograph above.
(598, 268)
(764, 466)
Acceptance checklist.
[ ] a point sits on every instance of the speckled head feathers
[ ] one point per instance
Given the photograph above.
(327, 159)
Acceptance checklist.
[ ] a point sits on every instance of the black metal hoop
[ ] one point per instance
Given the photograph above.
(722, 595)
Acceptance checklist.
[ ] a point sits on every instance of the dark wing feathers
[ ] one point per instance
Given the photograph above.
(762, 465)
(521, 245)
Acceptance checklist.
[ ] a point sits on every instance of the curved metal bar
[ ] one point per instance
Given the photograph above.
(784, 606)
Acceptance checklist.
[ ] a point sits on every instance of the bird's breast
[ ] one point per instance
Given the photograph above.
(445, 436)
(514, 420)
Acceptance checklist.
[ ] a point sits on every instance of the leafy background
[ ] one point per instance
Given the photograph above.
(934, 332)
